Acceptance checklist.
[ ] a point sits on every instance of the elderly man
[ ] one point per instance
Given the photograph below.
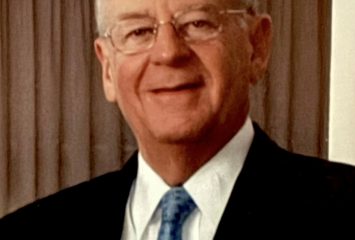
(180, 72)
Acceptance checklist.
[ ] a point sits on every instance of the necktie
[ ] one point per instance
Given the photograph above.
(176, 206)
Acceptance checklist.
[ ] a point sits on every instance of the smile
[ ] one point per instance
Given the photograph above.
(178, 88)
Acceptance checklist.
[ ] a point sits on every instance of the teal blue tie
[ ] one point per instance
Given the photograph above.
(176, 206)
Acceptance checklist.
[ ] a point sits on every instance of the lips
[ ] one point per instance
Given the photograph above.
(174, 95)
(178, 88)
(176, 85)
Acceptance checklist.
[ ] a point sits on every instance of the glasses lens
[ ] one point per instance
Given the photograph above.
(199, 25)
(138, 34)
(133, 35)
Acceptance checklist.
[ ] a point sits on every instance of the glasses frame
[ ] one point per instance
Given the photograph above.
(173, 23)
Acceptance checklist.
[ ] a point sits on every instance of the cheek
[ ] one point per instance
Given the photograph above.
(238, 70)
(127, 75)
(238, 64)
(228, 66)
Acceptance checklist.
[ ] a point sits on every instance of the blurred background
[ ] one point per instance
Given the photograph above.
(57, 130)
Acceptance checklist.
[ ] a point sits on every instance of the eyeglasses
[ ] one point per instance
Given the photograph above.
(137, 34)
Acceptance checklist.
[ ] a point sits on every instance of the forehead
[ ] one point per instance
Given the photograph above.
(114, 8)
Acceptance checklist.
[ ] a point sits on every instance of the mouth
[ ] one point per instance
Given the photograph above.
(176, 95)
(178, 88)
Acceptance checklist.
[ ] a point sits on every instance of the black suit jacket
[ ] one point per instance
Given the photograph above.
(278, 194)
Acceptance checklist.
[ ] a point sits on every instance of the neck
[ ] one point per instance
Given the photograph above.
(176, 163)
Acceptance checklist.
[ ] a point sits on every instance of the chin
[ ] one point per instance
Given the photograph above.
(181, 135)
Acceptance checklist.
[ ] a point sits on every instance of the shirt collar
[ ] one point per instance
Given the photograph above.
(217, 176)
(145, 202)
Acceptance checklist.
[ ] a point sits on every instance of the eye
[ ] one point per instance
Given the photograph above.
(198, 29)
(198, 24)
(201, 24)
(140, 33)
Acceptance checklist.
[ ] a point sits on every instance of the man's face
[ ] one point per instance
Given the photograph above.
(178, 92)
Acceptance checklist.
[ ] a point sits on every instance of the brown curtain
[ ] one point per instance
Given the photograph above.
(56, 129)
(292, 102)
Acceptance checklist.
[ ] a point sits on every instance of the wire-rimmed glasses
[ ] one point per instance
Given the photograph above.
(138, 33)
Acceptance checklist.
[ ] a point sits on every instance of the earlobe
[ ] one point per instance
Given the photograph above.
(260, 38)
(102, 54)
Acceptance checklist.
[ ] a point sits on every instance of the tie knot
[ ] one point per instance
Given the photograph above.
(176, 206)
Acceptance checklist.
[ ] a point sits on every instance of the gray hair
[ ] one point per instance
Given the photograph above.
(101, 18)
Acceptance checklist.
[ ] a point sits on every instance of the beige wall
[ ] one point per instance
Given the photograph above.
(342, 98)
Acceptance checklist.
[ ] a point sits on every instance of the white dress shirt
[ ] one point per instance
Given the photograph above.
(210, 188)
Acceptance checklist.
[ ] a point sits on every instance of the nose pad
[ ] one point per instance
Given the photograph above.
(169, 47)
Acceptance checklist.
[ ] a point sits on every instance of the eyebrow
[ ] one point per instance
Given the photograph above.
(145, 14)
(197, 6)
(201, 6)
(132, 15)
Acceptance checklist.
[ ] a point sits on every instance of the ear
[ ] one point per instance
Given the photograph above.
(103, 54)
(260, 39)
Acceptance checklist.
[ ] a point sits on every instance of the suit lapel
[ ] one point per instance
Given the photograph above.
(250, 187)
(114, 203)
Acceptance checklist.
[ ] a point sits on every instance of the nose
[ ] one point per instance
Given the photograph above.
(169, 48)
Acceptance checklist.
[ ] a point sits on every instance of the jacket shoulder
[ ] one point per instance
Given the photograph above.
(310, 180)
(91, 203)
